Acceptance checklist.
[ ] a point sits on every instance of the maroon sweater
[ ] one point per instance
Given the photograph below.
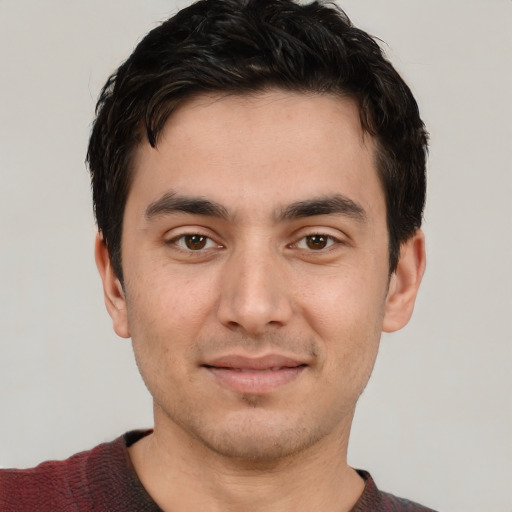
(104, 480)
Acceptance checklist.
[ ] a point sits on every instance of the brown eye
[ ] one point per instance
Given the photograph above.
(195, 242)
(317, 242)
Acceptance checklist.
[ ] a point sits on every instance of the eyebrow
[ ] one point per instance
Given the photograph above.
(337, 204)
(172, 203)
(328, 205)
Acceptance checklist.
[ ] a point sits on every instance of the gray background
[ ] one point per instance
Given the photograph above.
(435, 423)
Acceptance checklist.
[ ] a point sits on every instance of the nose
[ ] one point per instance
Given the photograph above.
(255, 293)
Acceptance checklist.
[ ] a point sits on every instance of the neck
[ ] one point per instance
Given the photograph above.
(180, 473)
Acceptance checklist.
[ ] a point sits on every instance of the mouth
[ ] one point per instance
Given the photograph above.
(249, 370)
(255, 376)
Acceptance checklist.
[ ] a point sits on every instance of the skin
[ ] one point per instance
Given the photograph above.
(255, 279)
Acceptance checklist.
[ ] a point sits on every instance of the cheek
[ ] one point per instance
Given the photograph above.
(343, 302)
(166, 313)
(346, 312)
(168, 299)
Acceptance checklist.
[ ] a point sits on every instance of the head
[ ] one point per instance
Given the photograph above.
(242, 47)
(258, 170)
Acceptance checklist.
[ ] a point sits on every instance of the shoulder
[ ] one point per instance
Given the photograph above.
(56, 485)
(375, 500)
(393, 503)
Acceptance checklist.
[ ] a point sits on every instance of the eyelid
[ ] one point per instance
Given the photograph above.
(192, 231)
(332, 240)
(332, 243)
(332, 232)
(209, 244)
(300, 236)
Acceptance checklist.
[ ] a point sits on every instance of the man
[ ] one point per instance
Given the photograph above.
(258, 173)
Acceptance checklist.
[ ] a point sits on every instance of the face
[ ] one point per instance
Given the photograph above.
(255, 258)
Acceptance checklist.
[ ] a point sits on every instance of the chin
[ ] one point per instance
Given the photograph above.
(260, 439)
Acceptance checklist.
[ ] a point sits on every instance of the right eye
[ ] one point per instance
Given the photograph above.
(194, 242)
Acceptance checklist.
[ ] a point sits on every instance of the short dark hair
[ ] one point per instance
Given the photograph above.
(244, 46)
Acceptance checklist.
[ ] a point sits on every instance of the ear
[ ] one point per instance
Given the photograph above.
(404, 283)
(113, 292)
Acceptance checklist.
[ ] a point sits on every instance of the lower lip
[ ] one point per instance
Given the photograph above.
(255, 382)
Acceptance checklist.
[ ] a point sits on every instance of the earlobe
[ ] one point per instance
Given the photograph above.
(404, 283)
(113, 292)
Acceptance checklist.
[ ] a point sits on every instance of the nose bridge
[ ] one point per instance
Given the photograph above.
(254, 292)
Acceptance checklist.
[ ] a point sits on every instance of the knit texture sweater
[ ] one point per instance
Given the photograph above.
(104, 480)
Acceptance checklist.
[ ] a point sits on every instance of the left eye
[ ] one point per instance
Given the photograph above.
(194, 242)
(316, 242)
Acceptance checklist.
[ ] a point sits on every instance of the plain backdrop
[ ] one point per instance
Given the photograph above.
(435, 423)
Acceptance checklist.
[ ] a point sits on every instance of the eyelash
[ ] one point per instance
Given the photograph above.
(329, 240)
(182, 246)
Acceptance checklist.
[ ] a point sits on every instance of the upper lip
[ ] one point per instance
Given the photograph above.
(253, 363)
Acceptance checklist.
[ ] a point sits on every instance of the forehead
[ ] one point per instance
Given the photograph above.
(269, 148)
